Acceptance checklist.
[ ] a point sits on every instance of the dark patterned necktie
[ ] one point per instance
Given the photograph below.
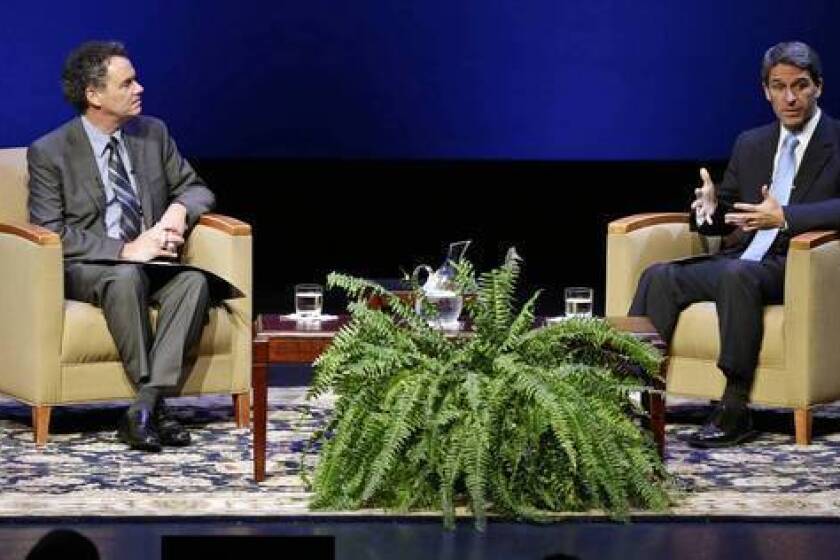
(131, 222)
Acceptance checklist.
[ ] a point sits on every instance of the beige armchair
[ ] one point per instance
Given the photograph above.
(58, 352)
(799, 364)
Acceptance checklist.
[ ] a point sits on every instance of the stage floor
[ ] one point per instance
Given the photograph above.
(84, 478)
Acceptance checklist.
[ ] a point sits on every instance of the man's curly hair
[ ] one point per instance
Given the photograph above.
(87, 66)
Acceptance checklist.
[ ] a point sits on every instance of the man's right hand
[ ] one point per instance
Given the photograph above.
(706, 202)
(152, 244)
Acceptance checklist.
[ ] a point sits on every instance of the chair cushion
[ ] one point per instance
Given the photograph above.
(86, 338)
(697, 334)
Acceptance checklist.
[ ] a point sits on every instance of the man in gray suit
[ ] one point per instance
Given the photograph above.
(112, 184)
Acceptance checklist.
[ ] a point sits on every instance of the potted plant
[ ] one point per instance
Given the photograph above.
(517, 420)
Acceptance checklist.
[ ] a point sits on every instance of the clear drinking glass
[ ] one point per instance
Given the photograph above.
(578, 301)
(309, 300)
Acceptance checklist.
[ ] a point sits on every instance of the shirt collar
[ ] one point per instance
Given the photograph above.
(804, 135)
(98, 139)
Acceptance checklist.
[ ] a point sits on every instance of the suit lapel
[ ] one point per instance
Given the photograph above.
(136, 154)
(817, 154)
(82, 158)
(766, 154)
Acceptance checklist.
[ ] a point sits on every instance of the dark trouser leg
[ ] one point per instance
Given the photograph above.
(121, 291)
(665, 289)
(744, 288)
(740, 289)
(184, 302)
(155, 364)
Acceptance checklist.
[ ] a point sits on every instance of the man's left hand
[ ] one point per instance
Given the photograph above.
(175, 219)
(766, 215)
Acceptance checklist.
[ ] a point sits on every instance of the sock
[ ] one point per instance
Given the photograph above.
(734, 400)
(146, 396)
(737, 394)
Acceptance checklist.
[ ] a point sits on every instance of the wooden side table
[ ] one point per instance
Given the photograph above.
(643, 329)
(280, 340)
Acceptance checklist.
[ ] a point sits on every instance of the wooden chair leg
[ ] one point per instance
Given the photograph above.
(802, 420)
(41, 423)
(654, 404)
(657, 421)
(242, 409)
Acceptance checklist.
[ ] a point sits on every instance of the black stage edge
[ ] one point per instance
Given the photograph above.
(358, 537)
(374, 218)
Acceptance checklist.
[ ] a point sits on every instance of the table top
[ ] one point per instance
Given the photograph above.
(280, 325)
(277, 324)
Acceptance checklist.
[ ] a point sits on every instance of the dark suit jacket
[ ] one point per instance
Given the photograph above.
(814, 203)
(66, 194)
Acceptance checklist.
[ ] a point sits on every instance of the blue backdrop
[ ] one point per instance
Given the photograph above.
(518, 79)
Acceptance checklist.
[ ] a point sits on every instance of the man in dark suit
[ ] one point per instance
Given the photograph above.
(112, 184)
(783, 179)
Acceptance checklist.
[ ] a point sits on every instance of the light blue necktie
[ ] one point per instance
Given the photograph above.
(782, 183)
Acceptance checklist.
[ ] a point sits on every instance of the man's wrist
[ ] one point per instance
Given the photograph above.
(175, 218)
(177, 208)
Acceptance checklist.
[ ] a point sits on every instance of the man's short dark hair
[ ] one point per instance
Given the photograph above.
(87, 66)
(795, 53)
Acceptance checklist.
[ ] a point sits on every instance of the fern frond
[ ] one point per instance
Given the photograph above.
(511, 419)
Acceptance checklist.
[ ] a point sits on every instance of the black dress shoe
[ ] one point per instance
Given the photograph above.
(172, 433)
(137, 429)
(725, 428)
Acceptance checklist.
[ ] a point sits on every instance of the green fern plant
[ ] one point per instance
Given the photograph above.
(509, 419)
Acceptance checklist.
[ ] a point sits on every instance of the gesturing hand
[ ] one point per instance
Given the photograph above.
(767, 214)
(706, 202)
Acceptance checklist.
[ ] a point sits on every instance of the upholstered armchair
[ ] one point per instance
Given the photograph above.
(57, 352)
(799, 364)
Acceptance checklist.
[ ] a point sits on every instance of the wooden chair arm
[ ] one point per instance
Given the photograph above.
(638, 221)
(228, 225)
(811, 239)
(36, 234)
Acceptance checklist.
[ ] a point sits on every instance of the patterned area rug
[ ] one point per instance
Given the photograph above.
(85, 471)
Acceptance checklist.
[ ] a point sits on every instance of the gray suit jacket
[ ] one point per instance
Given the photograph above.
(66, 194)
